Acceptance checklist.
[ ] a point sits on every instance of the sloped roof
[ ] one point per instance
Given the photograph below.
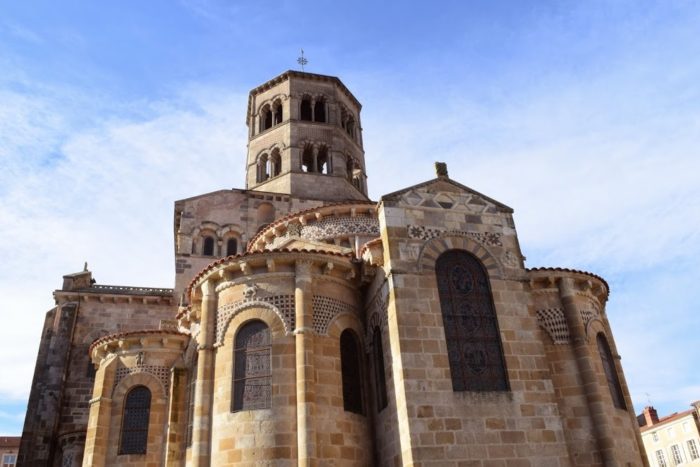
(396, 194)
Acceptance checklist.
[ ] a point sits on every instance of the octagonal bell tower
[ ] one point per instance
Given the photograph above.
(305, 138)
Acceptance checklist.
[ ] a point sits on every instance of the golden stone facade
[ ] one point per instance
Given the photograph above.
(311, 326)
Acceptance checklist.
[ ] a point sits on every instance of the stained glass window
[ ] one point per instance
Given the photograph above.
(471, 329)
(379, 375)
(137, 410)
(610, 372)
(350, 368)
(252, 375)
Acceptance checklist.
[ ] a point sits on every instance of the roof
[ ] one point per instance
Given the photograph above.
(301, 74)
(120, 335)
(443, 179)
(124, 290)
(667, 419)
(575, 271)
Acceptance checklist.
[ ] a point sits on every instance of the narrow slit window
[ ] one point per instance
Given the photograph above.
(610, 372)
(379, 373)
(350, 368)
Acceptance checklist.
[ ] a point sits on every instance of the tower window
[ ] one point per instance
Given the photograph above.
(231, 246)
(350, 368)
(208, 246)
(307, 159)
(275, 163)
(320, 111)
(137, 410)
(265, 118)
(278, 113)
(252, 376)
(263, 169)
(350, 127)
(610, 372)
(473, 340)
(306, 112)
(322, 161)
(379, 375)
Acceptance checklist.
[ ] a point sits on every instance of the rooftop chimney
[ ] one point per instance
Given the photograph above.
(650, 416)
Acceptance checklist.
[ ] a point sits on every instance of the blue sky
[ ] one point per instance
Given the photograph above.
(582, 116)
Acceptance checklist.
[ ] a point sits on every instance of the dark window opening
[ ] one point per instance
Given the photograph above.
(322, 161)
(278, 113)
(379, 374)
(307, 159)
(610, 372)
(320, 111)
(306, 109)
(350, 127)
(263, 172)
(91, 370)
(265, 118)
(350, 368)
(275, 163)
(208, 246)
(231, 246)
(473, 339)
(252, 375)
(137, 411)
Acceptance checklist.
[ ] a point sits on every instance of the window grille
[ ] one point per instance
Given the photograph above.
(350, 368)
(137, 410)
(676, 454)
(473, 340)
(610, 372)
(9, 460)
(693, 449)
(379, 375)
(660, 459)
(252, 376)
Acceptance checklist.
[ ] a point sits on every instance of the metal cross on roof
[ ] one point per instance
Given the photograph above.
(302, 60)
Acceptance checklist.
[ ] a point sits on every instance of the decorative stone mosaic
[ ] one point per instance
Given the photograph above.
(160, 372)
(587, 316)
(283, 305)
(330, 228)
(553, 321)
(422, 232)
(325, 309)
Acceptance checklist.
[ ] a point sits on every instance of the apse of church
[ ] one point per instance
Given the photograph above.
(309, 325)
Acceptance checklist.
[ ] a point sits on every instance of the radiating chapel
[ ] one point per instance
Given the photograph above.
(311, 326)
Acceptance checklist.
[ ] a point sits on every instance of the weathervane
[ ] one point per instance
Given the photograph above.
(302, 60)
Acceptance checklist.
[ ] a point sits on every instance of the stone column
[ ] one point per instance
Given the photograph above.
(177, 415)
(203, 395)
(100, 419)
(306, 435)
(586, 367)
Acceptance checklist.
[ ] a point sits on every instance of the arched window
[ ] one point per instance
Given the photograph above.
(231, 246)
(191, 387)
(263, 171)
(208, 246)
(471, 328)
(320, 110)
(137, 411)
(350, 368)
(278, 113)
(350, 167)
(252, 374)
(275, 163)
(350, 127)
(307, 159)
(322, 161)
(610, 372)
(378, 363)
(306, 113)
(265, 118)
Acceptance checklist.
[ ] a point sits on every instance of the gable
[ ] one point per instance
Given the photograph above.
(446, 194)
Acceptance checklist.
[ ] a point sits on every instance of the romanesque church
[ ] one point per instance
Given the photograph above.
(311, 326)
